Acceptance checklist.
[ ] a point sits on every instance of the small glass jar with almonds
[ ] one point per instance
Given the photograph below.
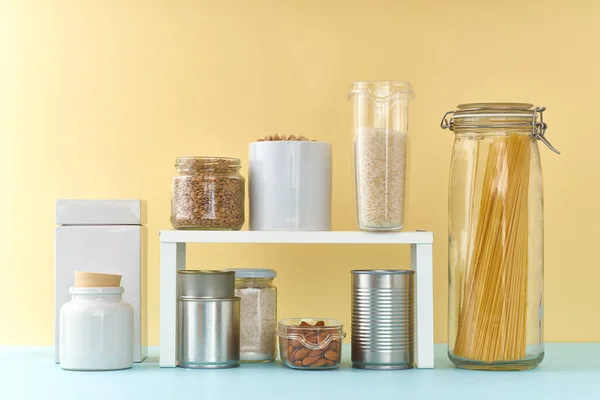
(311, 343)
(208, 193)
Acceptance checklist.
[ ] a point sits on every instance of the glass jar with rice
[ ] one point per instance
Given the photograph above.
(380, 147)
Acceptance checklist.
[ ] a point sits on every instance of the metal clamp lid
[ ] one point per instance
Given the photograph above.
(538, 126)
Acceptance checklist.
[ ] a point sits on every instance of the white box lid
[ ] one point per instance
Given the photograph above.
(100, 212)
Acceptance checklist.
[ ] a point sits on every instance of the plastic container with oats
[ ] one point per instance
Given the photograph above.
(311, 343)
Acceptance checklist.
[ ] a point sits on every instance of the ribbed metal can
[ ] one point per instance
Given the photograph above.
(383, 319)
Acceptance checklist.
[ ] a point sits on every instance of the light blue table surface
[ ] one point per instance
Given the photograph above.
(570, 371)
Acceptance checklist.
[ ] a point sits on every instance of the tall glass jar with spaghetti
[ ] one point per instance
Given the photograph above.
(496, 250)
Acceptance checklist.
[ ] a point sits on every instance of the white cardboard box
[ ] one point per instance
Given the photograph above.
(113, 249)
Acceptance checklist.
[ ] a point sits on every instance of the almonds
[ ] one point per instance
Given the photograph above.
(316, 348)
(311, 338)
(332, 355)
(320, 362)
(293, 355)
(301, 353)
(310, 360)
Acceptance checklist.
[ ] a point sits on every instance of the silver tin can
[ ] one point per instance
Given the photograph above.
(208, 333)
(208, 320)
(206, 284)
(383, 319)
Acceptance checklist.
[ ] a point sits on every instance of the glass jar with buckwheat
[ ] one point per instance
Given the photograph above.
(208, 193)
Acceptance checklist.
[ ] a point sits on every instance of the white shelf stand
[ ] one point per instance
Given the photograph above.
(172, 258)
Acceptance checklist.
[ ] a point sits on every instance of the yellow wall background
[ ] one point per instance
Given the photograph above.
(97, 98)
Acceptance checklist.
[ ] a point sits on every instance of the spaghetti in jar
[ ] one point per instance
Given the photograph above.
(495, 296)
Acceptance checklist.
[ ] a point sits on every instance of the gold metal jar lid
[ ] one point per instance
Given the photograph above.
(475, 116)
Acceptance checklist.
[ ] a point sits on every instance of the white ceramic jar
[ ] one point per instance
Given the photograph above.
(96, 330)
(290, 186)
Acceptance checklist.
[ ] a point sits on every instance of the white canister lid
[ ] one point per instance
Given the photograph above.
(253, 273)
(100, 212)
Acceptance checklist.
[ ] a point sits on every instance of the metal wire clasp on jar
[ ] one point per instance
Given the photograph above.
(208, 193)
(383, 319)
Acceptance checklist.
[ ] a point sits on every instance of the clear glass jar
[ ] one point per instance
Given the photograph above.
(380, 126)
(208, 193)
(258, 324)
(495, 251)
(311, 343)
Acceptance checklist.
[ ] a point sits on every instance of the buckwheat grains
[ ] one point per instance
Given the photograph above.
(208, 193)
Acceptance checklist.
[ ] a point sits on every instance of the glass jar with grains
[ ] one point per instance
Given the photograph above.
(208, 193)
(258, 311)
(380, 152)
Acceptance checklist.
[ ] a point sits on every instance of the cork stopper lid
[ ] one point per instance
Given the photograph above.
(93, 279)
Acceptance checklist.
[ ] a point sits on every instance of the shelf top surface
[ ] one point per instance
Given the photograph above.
(341, 237)
(570, 371)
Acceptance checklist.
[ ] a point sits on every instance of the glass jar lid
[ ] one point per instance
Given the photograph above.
(253, 273)
(201, 163)
(480, 116)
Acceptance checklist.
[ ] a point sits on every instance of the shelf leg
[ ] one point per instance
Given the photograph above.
(172, 259)
(421, 261)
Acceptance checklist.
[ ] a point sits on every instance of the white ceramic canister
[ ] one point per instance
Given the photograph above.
(290, 186)
(96, 330)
